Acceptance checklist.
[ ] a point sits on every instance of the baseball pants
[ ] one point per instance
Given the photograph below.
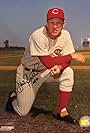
(26, 93)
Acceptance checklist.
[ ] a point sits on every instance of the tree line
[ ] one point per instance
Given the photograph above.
(8, 47)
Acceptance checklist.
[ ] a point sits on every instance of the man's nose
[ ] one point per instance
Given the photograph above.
(55, 26)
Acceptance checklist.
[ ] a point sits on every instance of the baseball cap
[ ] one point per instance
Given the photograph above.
(55, 13)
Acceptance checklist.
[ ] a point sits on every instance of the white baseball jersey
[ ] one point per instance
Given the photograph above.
(40, 45)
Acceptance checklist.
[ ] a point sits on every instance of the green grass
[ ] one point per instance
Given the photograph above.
(13, 52)
(12, 61)
(7, 81)
(14, 58)
(81, 94)
(7, 84)
(10, 57)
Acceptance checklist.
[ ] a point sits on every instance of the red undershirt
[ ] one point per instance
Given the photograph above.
(49, 61)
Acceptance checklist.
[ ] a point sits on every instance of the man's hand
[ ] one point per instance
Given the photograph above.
(55, 71)
(78, 57)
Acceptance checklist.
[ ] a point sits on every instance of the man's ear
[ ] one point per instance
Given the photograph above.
(64, 25)
(46, 25)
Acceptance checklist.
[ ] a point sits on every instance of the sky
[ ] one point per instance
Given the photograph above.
(19, 18)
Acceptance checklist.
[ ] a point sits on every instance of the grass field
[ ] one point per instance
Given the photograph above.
(47, 97)
(13, 58)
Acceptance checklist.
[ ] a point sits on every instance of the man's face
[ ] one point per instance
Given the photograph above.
(54, 27)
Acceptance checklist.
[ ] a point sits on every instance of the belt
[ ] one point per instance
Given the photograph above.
(27, 69)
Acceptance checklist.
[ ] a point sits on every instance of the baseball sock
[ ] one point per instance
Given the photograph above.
(63, 103)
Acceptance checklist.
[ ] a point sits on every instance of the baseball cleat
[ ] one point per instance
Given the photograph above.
(67, 119)
(11, 97)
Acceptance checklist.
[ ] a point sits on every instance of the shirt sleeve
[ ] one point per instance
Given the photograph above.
(65, 65)
(37, 46)
(49, 61)
(68, 47)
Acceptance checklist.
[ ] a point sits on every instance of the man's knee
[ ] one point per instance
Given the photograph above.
(67, 79)
(21, 112)
(70, 75)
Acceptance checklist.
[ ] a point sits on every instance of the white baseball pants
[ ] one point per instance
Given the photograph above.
(25, 96)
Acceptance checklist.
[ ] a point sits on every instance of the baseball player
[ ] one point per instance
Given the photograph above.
(53, 46)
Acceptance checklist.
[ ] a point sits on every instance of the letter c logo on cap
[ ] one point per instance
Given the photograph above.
(55, 11)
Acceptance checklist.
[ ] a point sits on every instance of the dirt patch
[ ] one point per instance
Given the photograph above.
(9, 56)
(41, 123)
(8, 67)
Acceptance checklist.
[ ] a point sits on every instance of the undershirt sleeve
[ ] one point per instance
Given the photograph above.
(49, 61)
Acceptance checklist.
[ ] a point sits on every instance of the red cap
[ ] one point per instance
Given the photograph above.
(55, 13)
